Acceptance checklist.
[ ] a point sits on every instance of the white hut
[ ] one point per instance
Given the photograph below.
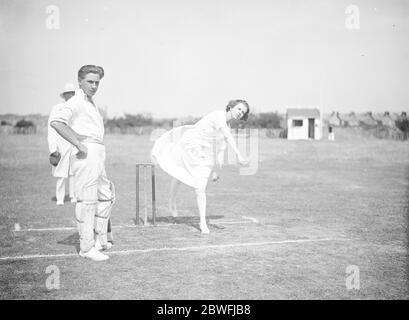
(303, 123)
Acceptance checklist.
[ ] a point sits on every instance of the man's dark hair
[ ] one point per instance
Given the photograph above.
(90, 69)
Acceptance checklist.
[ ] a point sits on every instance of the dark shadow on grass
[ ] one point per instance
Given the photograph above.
(184, 219)
(192, 221)
(72, 240)
(66, 198)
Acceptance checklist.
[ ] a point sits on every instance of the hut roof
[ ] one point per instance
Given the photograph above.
(303, 113)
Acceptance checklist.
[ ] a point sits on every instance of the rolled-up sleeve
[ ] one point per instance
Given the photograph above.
(64, 114)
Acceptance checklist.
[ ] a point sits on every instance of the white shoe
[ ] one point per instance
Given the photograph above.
(100, 247)
(110, 237)
(60, 203)
(73, 200)
(94, 254)
(204, 229)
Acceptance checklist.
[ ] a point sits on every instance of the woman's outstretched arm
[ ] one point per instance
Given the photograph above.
(230, 140)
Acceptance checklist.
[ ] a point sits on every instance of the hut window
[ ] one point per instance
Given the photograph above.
(297, 123)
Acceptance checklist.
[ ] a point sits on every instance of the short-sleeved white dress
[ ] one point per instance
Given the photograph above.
(188, 153)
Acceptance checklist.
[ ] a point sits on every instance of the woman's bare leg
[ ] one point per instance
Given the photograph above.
(174, 186)
(201, 203)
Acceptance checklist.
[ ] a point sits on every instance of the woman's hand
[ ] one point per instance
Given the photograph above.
(215, 176)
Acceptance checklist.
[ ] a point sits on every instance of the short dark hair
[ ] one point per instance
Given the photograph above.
(233, 103)
(89, 68)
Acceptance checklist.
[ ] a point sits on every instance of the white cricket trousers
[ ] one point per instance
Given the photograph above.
(60, 188)
(95, 196)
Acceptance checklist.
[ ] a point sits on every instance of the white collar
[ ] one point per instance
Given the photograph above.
(80, 93)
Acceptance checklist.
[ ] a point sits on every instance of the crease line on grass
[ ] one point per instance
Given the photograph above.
(190, 248)
(125, 226)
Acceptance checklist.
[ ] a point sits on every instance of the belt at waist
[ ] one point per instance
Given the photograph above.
(92, 140)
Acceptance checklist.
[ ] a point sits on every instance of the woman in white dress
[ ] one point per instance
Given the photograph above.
(190, 153)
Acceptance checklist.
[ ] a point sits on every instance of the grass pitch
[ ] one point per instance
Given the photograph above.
(288, 232)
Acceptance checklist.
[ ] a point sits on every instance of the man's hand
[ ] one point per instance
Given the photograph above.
(82, 151)
(72, 137)
(55, 158)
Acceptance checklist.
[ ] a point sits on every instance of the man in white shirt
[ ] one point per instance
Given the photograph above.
(81, 124)
(56, 144)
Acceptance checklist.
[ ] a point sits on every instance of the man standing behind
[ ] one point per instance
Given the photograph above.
(59, 146)
(81, 124)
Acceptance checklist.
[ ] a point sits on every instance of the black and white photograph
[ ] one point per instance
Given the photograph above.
(224, 151)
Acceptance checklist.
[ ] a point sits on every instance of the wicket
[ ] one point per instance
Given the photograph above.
(145, 167)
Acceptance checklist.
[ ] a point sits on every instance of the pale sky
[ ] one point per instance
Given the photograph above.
(175, 58)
